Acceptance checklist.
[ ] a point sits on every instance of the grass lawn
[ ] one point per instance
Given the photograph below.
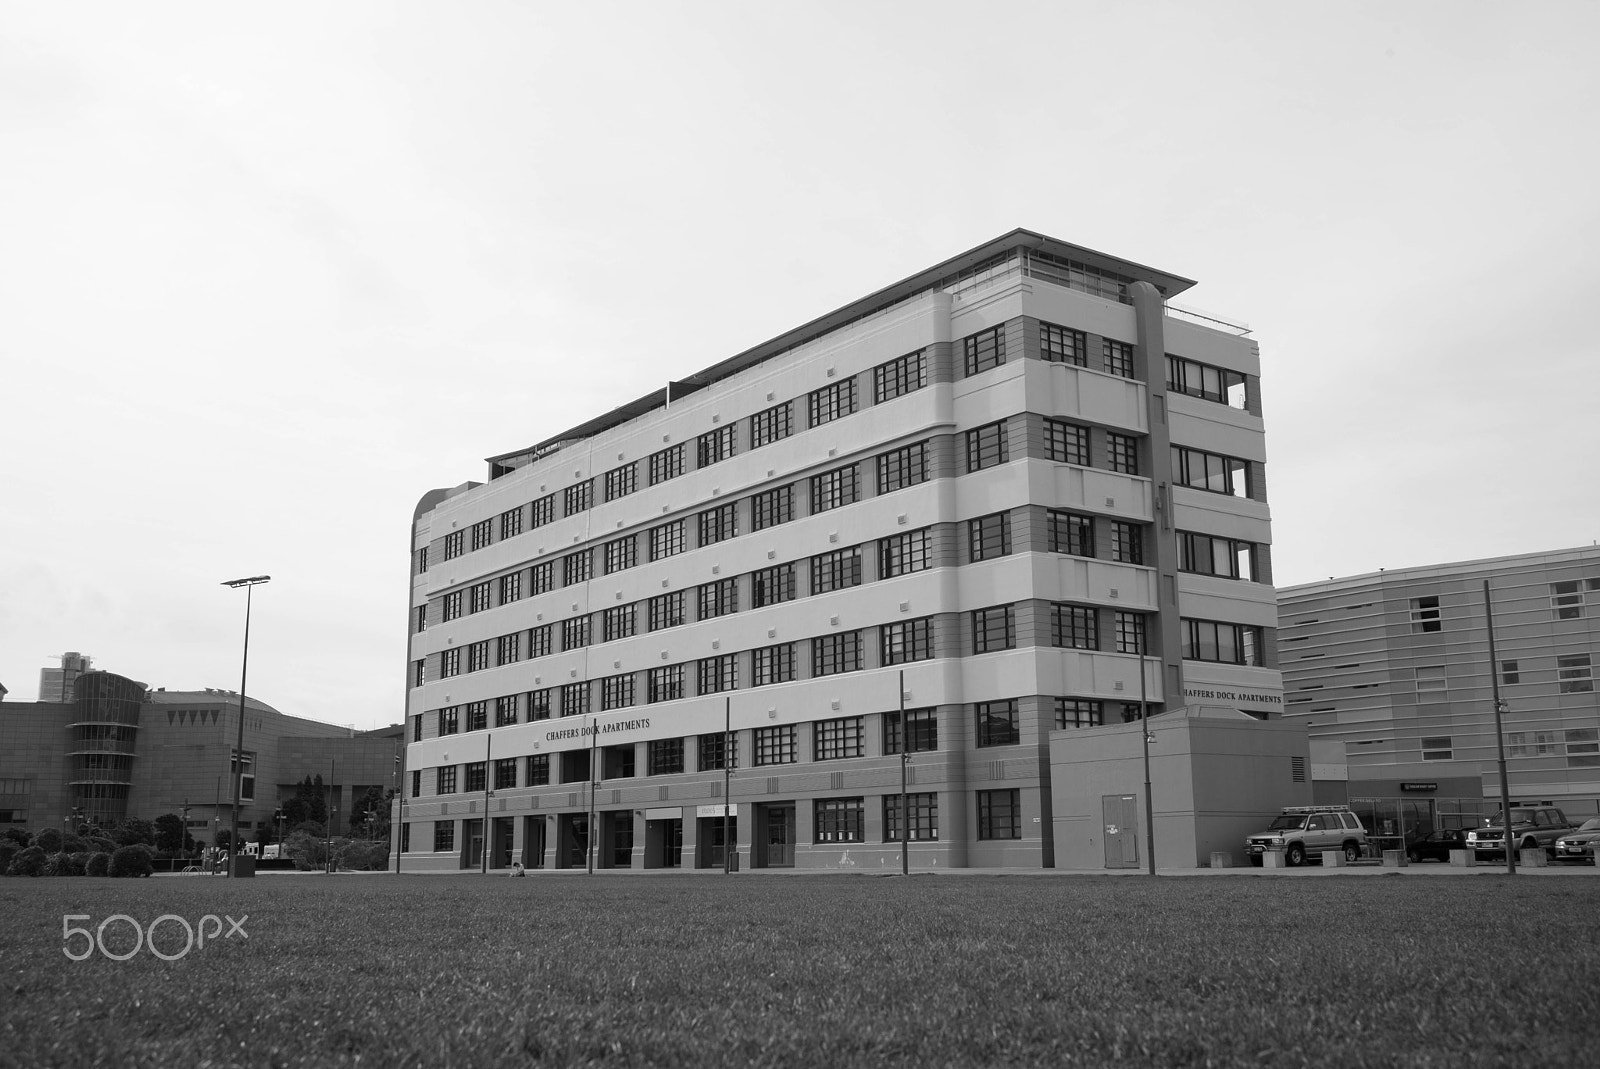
(689, 970)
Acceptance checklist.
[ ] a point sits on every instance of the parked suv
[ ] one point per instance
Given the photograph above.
(1307, 830)
(1531, 826)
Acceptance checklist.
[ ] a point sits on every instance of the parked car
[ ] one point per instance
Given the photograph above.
(1304, 831)
(1531, 827)
(1435, 845)
(1579, 845)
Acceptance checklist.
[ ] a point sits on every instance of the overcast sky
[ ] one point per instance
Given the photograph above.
(267, 275)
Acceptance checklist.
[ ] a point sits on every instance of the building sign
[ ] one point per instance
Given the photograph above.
(714, 811)
(1219, 694)
(584, 730)
(1419, 786)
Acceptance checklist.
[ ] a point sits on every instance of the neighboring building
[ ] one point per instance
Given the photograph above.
(119, 750)
(1012, 478)
(56, 684)
(1391, 671)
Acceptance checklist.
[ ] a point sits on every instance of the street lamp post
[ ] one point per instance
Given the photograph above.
(1144, 734)
(249, 585)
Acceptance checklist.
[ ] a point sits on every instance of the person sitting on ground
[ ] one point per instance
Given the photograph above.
(516, 869)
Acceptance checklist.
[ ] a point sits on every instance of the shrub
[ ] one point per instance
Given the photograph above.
(365, 856)
(131, 860)
(77, 863)
(29, 862)
(56, 864)
(15, 835)
(71, 844)
(98, 865)
(98, 844)
(8, 850)
(48, 840)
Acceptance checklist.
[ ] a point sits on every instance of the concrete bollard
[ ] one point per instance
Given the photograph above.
(1394, 859)
(1273, 859)
(1535, 858)
(1463, 859)
(1221, 859)
(1333, 859)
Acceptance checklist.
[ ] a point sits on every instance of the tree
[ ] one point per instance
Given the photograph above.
(170, 833)
(308, 803)
(132, 860)
(224, 839)
(134, 832)
(374, 803)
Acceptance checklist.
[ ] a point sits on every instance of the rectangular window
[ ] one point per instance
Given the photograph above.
(617, 622)
(575, 699)
(541, 640)
(621, 554)
(416, 781)
(922, 731)
(836, 570)
(664, 757)
(989, 536)
(775, 745)
(1074, 627)
(1071, 533)
(577, 567)
(772, 664)
(1566, 598)
(480, 597)
(984, 350)
(719, 523)
(667, 464)
(505, 773)
(666, 610)
(831, 402)
(452, 544)
(986, 447)
(445, 780)
(772, 425)
(902, 467)
(449, 663)
(1206, 382)
(444, 835)
(1221, 643)
(772, 586)
(542, 577)
(898, 377)
(1118, 356)
(715, 750)
(1131, 633)
(832, 654)
(1000, 814)
(543, 511)
(419, 671)
(834, 740)
(1079, 713)
(1122, 453)
(575, 633)
(1425, 615)
(834, 489)
(578, 497)
(505, 711)
(1226, 558)
(713, 447)
(475, 777)
(482, 534)
(539, 770)
(1211, 472)
(449, 720)
(771, 507)
(1439, 748)
(451, 607)
(538, 705)
(622, 481)
(1574, 674)
(998, 723)
(510, 588)
(994, 628)
(1063, 345)
(1066, 442)
(510, 523)
(717, 674)
(1582, 741)
(477, 715)
(416, 731)
(1509, 673)
(906, 642)
(921, 813)
(717, 599)
(1127, 542)
(616, 692)
(838, 820)
(422, 619)
(903, 554)
(667, 540)
(664, 684)
(510, 651)
(422, 560)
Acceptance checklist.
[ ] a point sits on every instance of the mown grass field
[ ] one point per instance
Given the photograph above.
(689, 970)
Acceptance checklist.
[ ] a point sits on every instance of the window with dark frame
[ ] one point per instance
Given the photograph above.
(450, 607)
(664, 757)
(898, 377)
(836, 570)
(834, 489)
(834, 740)
(445, 780)
(1079, 713)
(1071, 533)
(664, 684)
(449, 720)
(1425, 615)
(1118, 357)
(575, 698)
(1221, 643)
(903, 643)
(833, 654)
(416, 782)
(775, 424)
(505, 773)
(831, 402)
(713, 447)
(539, 705)
(903, 554)
(575, 633)
(771, 507)
(666, 610)
(1127, 542)
(510, 523)
(1209, 383)
(986, 447)
(416, 728)
(903, 467)
(1066, 443)
(667, 540)
(578, 497)
(539, 770)
(510, 648)
(838, 820)
(422, 560)
(993, 629)
(475, 777)
(667, 464)
(714, 750)
(713, 675)
(452, 544)
(1074, 627)
(541, 640)
(621, 553)
(1063, 345)
(1212, 472)
(1226, 558)
(1000, 814)
(618, 622)
(510, 588)
(577, 567)
(1130, 632)
(719, 524)
(772, 664)
(422, 619)
(480, 597)
(922, 816)
(719, 598)
(449, 662)
(1122, 453)
(998, 723)
(542, 577)
(542, 511)
(922, 731)
(621, 481)
(482, 534)
(444, 834)
(984, 350)
(775, 745)
(989, 536)
(505, 711)
(616, 692)
(772, 586)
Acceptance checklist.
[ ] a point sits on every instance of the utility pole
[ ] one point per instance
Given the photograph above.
(1499, 734)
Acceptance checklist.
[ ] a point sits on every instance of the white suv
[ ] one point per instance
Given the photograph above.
(1303, 831)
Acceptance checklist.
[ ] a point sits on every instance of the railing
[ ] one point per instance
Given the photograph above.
(1206, 319)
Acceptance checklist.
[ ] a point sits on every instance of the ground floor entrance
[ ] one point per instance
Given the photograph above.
(775, 834)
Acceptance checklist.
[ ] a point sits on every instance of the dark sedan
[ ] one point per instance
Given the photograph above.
(1435, 845)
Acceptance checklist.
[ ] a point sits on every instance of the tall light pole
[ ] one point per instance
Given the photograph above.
(1499, 734)
(238, 754)
(905, 799)
(1144, 733)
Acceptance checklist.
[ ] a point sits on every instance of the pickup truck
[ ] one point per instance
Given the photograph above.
(1531, 827)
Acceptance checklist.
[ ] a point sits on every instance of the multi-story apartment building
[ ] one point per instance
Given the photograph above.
(1392, 673)
(949, 520)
